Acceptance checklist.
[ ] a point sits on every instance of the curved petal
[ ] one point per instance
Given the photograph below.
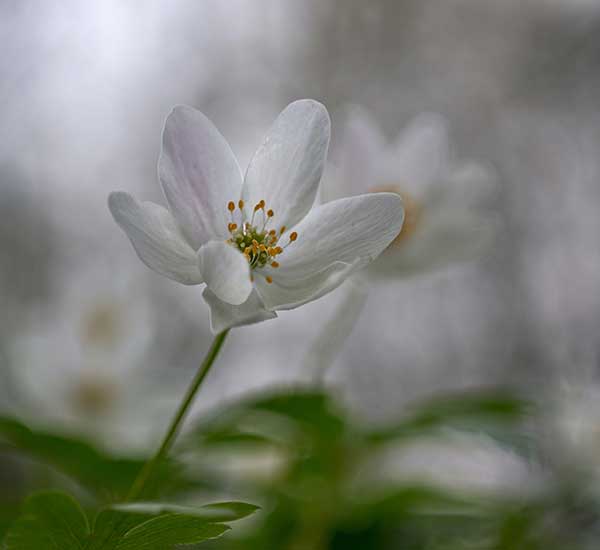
(287, 168)
(199, 175)
(156, 238)
(224, 315)
(289, 292)
(334, 240)
(225, 271)
(420, 155)
(450, 236)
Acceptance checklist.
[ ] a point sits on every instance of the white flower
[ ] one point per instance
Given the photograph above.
(572, 429)
(456, 461)
(81, 365)
(444, 221)
(256, 242)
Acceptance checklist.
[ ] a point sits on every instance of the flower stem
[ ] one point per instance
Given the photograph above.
(140, 484)
(337, 330)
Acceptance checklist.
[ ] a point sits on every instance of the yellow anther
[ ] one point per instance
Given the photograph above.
(270, 213)
(272, 252)
(283, 228)
(231, 206)
(278, 250)
(274, 264)
(241, 204)
(254, 242)
(269, 279)
(262, 203)
(262, 248)
(293, 236)
(272, 232)
(232, 226)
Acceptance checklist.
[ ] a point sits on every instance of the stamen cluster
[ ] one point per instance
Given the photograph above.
(257, 242)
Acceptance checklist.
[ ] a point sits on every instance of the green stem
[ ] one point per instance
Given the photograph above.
(139, 485)
(336, 331)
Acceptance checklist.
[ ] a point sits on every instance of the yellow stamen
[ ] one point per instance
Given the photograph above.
(270, 213)
(241, 204)
(283, 228)
(231, 206)
(293, 236)
(269, 279)
(274, 264)
(232, 226)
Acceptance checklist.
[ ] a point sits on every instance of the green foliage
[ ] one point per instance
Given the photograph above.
(169, 530)
(77, 459)
(313, 501)
(49, 520)
(54, 520)
(106, 476)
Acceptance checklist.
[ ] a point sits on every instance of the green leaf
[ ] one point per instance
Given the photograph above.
(216, 512)
(113, 523)
(105, 475)
(165, 532)
(110, 527)
(50, 520)
(274, 418)
(462, 410)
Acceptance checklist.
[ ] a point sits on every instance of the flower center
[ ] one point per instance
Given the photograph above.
(94, 395)
(254, 238)
(101, 326)
(412, 213)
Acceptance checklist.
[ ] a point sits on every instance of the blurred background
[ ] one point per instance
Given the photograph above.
(87, 332)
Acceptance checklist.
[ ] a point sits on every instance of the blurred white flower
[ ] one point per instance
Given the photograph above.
(456, 461)
(445, 220)
(80, 366)
(256, 242)
(572, 430)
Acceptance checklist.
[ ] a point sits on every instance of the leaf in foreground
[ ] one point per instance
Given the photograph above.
(49, 520)
(165, 532)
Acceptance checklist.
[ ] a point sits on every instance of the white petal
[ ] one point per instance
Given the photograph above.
(420, 155)
(356, 158)
(450, 236)
(287, 168)
(225, 271)
(156, 238)
(471, 184)
(224, 315)
(199, 175)
(289, 292)
(334, 240)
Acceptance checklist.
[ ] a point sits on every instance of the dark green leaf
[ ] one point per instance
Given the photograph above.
(49, 520)
(165, 532)
(275, 417)
(463, 410)
(113, 523)
(105, 475)
(216, 512)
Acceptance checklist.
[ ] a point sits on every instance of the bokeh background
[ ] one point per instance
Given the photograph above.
(84, 90)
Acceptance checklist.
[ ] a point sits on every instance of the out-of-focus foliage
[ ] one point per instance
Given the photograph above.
(55, 520)
(312, 468)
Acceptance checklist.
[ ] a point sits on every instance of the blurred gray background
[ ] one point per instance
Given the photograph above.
(85, 88)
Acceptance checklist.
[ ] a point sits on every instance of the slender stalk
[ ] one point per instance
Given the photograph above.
(148, 470)
(336, 331)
